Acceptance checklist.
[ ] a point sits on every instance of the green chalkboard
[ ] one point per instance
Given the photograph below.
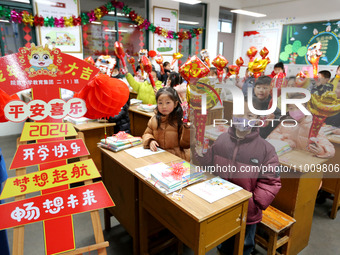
(296, 38)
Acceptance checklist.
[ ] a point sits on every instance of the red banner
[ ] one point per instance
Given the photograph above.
(34, 154)
(54, 205)
(38, 67)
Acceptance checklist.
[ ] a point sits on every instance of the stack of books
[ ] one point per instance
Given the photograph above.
(164, 176)
(281, 147)
(147, 107)
(78, 121)
(115, 143)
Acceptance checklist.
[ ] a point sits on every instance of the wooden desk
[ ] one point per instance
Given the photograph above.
(297, 196)
(228, 110)
(332, 183)
(138, 120)
(214, 113)
(93, 133)
(133, 94)
(197, 223)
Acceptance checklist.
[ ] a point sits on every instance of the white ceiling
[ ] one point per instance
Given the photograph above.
(259, 3)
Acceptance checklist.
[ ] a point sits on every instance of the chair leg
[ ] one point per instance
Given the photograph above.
(271, 249)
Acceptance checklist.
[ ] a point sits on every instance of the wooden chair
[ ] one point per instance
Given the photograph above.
(276, 225)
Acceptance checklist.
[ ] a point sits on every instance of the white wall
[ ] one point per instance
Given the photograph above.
(10, 128)
(286, 13)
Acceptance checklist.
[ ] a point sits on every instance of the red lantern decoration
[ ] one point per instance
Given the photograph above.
(104, 96)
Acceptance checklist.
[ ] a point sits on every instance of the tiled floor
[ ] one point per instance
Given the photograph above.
(324, 239)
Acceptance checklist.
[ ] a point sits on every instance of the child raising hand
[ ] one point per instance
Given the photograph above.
(166, 129)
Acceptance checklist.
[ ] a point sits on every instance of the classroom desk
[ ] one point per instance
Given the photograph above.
(214, 113)
(228, 110)
(332, 184)
(133, 94)
(297, 196)
(197, 223)
(138, 120)
(93, 133)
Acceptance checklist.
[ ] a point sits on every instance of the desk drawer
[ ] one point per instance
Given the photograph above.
(218, 226)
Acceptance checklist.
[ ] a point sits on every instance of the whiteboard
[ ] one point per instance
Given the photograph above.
(269, 38)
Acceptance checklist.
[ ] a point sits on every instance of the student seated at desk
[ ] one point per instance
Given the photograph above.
(122, 119)
(321, 85)
(241, 148)
(166, 129)
(145, 91)
(297, 137)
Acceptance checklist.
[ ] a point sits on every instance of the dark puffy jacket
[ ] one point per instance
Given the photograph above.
(122, 119)
(228, 150)
(264, 105)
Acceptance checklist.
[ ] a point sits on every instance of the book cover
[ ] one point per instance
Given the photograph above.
(214, 189)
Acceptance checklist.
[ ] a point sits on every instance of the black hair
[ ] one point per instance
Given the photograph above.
(177, 114)
(175, 79)
(166, 63)
(263, 80)
(326, 74)
(279, 65)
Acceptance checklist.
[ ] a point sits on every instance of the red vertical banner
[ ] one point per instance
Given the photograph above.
(141, 39)
(180, 47)
(85, 41)
(3, 40)
(197, 45)
(27, 29)
(120, 38)
(106, 44)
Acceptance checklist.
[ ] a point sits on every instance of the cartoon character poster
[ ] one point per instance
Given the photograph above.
(168, 19)
(67, 39)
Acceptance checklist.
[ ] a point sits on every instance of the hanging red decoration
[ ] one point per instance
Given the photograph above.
(104, 96)
(85, 41)
(4, 99)
(106, 44)
(27, 37)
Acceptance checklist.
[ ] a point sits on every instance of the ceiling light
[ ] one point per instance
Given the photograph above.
(2, 20)
(188, 22)
(188, 1)
(96, 22)
(253, 14)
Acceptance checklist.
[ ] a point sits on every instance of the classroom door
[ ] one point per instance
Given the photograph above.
(225, 45)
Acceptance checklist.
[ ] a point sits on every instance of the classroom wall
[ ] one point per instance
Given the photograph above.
(279, 14)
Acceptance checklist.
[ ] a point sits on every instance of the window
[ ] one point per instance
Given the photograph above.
(226, 21)
(192, 16)
(114, 27)
(14, 35)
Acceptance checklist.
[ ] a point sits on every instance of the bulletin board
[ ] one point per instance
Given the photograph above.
(296, 38)
(67, 39)
(168, 19)
(268, 38)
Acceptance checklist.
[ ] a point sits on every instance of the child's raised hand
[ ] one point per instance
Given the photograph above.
(154, 145)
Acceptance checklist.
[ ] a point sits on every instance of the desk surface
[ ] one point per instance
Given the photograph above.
(300, 158)
(195, 206)
(93, 125)
(133, 108)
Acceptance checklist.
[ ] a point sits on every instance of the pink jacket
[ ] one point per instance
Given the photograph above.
(297, 137)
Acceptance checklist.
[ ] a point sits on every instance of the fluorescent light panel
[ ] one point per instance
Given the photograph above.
(188, 22)
(96, 22)
(188, 1)
(253, 14)
(5, 21)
